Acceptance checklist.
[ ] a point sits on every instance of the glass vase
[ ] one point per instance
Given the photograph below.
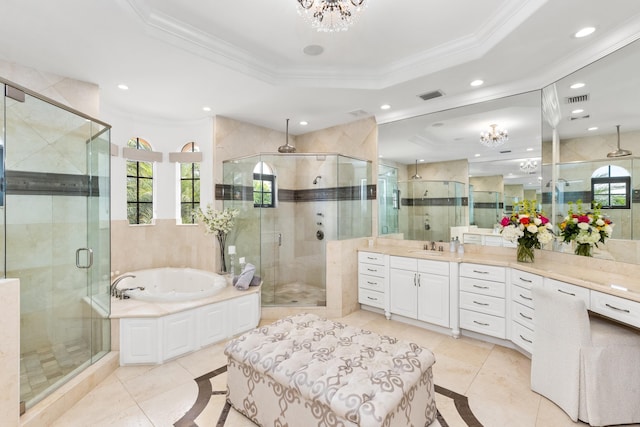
(584, 249)
(222, 265)
(524, 253)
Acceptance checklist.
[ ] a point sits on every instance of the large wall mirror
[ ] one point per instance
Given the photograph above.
(438, 180)
(582, 115)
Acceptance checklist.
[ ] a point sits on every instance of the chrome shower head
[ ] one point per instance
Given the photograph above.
(315, 181)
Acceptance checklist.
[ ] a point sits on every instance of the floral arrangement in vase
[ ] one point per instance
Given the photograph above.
(219, 223)
(530, 228)
(586, 229)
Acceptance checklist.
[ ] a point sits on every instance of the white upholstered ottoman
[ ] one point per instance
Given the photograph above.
(307, 371)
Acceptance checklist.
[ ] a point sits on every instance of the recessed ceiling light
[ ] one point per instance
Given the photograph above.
(577, 85)
(477, 83)
(421, 160)
(205, 108)
(529, 149)
(476, 155)
(380, 156)
(123, 87)
(584, 32)
(303, 123)
(578, 111)
(385, 106)
(539, 178)
(593, 128)
(313, 50)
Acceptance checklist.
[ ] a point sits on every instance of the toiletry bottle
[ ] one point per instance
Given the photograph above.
(461, 249)
(452, 245)
(457, 243)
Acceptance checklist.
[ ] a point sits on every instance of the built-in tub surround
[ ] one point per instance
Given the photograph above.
(153, 332)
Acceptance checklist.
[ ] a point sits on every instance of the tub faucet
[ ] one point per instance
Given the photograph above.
(433, 245)
(114, 284)
(122, 294)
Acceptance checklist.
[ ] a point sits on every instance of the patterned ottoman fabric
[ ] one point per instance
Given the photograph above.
(336, 371)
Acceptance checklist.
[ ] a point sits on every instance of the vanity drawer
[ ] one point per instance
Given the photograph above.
(439, 268)
(617, 308)
(474, 239)
(482, 287)
(568, 289)
(483, 323)
(484, 272)
(522, 296)
(482, 303)
(524, 279)
(523, 315)
(371, 282)
(372, 269)
(372, 298)
(371, 258)
(522, 337)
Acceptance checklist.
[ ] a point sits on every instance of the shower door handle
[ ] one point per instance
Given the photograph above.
(279, 239)
(89, 257)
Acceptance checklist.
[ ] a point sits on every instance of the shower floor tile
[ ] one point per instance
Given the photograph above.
(41, 368)
(294, 294)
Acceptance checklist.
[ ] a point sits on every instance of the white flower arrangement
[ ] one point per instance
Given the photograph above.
(218, 222)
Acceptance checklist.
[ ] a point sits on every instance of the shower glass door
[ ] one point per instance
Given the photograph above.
(57, 239)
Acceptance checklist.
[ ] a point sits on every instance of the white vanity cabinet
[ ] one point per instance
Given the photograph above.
(372, 280)
(419, 289)
(522, 310)
(620, 309)
(483, 299)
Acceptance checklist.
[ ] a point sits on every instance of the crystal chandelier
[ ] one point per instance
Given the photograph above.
(529, 166)
(495, 137)
(331, 15)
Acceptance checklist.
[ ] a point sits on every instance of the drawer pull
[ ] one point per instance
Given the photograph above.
(480, 287)
(372, 299)
(480, 323)
(526, 281)
(526, 317)
(618, 309)
(372, 258)
(372, 269)
(480, 303)
(371, 283)
(525, 297)
(524, 339)
(480, 272)
(567, 293)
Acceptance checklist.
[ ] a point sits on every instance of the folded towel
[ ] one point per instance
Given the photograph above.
(244, 279)
(255, 281)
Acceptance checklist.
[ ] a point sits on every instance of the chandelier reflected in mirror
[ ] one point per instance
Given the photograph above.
(529, 166)
(331, 15)
(494, 137)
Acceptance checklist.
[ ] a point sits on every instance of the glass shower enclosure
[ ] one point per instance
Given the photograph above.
(56, 235)
(290, 206)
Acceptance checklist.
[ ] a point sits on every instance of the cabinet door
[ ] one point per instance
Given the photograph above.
(214, 323)
(245, 313)
(179, 334)
(403, 289)
(433, 299)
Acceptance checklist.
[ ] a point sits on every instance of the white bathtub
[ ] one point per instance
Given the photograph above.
(172, 284)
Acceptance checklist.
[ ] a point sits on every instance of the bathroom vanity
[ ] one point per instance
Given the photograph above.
(485, 293)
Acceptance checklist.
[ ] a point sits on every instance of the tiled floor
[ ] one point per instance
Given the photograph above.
(293, 294)
(42, 368)
(495, 379)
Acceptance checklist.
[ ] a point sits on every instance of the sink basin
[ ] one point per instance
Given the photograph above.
(424, 252)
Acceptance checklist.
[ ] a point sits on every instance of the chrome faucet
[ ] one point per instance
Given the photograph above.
(122, 294)
(114, 284)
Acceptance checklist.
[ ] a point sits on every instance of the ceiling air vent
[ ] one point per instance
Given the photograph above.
(430, 95)
(577, 98)
(505, 152)
(359, 113)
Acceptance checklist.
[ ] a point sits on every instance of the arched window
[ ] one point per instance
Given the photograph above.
(264, 186)
(189, 186)
(611, 187)
(139, 186)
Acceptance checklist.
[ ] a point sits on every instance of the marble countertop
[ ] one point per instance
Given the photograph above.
(618, 284)
(135, 308)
